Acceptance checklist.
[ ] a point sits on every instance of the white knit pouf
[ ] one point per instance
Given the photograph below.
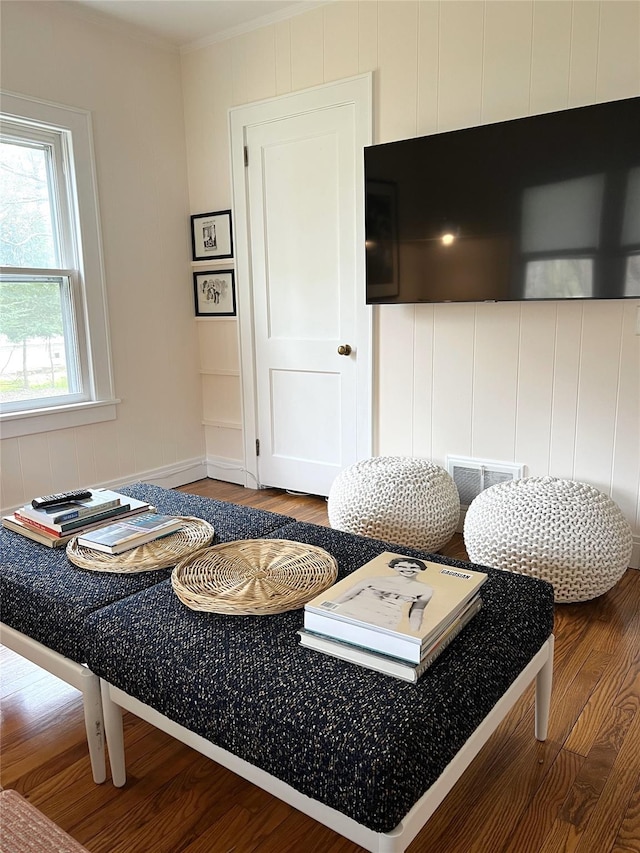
(401, 499)
(562, 531)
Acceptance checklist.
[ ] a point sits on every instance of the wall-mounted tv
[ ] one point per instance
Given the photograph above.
(543, 207)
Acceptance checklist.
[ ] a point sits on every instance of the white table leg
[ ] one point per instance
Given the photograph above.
(544, 681)
(75, 674)
(114, 735)
(93, 722)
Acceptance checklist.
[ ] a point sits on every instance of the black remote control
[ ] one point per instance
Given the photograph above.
(62, 498)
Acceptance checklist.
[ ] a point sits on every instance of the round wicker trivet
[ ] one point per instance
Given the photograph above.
(253, 577)
(159, 554)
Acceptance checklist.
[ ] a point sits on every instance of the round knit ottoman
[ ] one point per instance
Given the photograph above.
(562, 531)
(401, 499)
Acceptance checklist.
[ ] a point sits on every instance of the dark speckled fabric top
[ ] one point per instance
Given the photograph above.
(366, 744)
(46, 597)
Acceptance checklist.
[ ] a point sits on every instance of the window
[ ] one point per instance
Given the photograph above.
(54, 348)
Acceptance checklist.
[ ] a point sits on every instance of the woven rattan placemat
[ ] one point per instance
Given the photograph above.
(253, 576)
(159, 554)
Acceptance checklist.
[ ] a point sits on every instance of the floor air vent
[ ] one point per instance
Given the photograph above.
(473, 476)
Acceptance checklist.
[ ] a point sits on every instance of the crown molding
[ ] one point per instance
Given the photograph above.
(292, 11)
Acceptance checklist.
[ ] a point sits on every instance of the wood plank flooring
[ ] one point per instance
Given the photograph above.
(579, 792)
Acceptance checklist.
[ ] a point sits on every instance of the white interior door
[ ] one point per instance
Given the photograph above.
(303, 190)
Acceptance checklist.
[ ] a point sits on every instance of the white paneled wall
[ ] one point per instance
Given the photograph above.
(536, 357)
(554, 386)
(550, 59)
(460, 50)
(221, 395)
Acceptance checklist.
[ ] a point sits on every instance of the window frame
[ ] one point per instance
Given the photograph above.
(90, 302)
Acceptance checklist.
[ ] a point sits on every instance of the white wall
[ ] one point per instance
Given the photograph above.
(554, 386)
(133, 90)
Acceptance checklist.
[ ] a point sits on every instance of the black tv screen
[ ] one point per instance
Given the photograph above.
(543, 207)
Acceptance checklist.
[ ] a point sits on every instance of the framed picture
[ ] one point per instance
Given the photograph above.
(211, 236)
(381, 240)
(215, 293)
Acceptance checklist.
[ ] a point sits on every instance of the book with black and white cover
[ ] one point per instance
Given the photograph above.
(128, 534)
(394, 604)
(385, 663)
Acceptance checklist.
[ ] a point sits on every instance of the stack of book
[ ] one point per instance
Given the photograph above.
(395, 614)
(54, 524)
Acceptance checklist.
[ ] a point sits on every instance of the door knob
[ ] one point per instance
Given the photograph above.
(344, 349)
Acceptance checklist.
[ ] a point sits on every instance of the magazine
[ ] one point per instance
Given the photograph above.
(394, 604)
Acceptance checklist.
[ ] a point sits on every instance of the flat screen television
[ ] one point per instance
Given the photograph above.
(543, 207)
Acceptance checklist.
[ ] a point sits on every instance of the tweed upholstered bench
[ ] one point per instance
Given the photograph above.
(366, 754)
(46, 599)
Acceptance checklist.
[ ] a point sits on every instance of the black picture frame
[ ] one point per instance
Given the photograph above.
(214, 293)
(211, 235)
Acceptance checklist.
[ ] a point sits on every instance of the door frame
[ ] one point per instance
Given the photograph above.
(358, 91)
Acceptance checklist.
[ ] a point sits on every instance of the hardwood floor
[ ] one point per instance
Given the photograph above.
(577, 792)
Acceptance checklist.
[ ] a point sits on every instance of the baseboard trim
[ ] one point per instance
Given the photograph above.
(169, 476)
(228, 470)
(178, 474)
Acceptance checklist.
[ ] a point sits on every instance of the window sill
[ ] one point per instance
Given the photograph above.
(16, 424)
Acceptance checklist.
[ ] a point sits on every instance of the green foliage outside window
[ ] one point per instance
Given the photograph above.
(31, 312)
(26, 221)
